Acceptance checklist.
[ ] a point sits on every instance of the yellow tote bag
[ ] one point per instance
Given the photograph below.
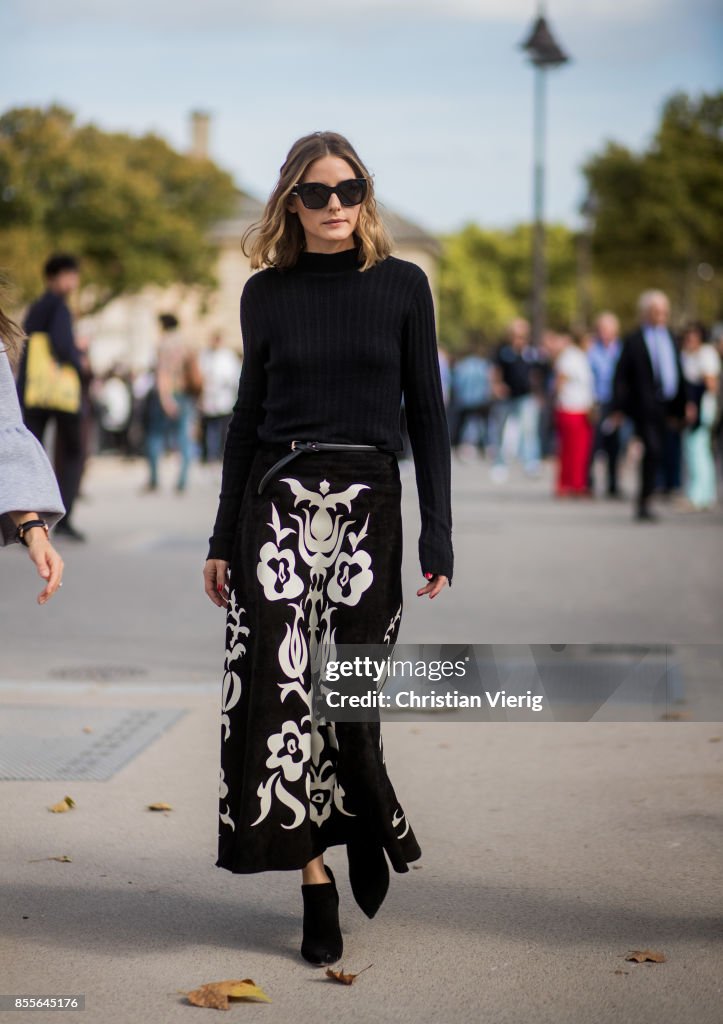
(48, 383)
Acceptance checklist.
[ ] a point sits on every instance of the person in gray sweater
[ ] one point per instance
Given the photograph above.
(30, 502)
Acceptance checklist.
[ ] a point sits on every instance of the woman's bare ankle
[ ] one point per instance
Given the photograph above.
(313, 873)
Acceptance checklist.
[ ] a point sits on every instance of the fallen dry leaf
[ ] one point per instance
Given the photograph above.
(619, 971)
(216, 994)
(64, 859)
(639, 955)
(714, 739)
(674, 716)
(87, 728)
(159, 807)
(65, 804)
(345, 979)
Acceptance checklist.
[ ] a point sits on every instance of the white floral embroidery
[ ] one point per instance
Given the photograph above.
(294, 655)
(322, 534)
(339, 573)
(231, 688)
(397, 818)
(352, 576)
(223, 793)
(276, 574)
(393, 624)
(325, 789)
(290, 749)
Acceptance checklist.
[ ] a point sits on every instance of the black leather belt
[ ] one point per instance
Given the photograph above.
(297, 447)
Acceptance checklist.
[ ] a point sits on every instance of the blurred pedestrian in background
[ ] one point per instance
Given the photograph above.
(49, 317)
(701, 370)
(171, 402)
(30, 501)
(574, 398)
(113, 401)
(220, 372)
(87, 419)
(603, 354)
(648, 386)
(716, 340)
(470, 400)
(515, 418)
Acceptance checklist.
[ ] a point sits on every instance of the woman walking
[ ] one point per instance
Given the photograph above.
(306, 550)
(574, 398)
(171, 402)
(701, 369)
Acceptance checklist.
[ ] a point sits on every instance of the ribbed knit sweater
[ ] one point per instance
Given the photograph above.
(329, 352)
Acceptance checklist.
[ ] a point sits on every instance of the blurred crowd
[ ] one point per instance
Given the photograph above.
(577, 399)
(181, 404)
(582, 399)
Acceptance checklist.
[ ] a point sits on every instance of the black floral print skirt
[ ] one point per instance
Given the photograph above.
(316, 562)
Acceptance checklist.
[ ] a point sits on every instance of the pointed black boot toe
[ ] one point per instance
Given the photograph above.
(322, 942)
(368, 875)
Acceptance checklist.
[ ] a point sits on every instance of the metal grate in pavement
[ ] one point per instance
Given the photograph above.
(49, 742)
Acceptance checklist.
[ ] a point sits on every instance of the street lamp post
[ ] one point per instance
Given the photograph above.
(544, 53)
(588, 209)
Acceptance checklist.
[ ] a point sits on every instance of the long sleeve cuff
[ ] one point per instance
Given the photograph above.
(436, 556)
(220, 545)
(27, 481)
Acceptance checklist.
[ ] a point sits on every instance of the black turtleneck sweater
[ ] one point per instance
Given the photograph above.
(329, 351)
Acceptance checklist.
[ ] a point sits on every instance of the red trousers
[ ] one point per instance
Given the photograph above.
(574, 438)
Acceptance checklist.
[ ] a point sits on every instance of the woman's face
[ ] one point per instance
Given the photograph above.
(329, 229)
(692, 340)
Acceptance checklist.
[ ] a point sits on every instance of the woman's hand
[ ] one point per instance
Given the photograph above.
(50, 564)
(433, 587)
(214, 576)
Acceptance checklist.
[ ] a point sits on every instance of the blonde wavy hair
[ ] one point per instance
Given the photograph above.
(280, 234)
(12, 336)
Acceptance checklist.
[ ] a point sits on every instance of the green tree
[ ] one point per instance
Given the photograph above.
(486, 277)
(136, 211)
(659, 213)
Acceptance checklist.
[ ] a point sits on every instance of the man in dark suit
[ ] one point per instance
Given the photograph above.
(649, 388)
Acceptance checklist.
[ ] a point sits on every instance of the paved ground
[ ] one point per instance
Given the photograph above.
(549, 850)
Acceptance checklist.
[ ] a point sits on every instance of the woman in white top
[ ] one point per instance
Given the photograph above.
(701, 369)
(574, 397)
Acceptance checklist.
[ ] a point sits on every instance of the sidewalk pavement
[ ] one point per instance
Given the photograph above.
(549, 850)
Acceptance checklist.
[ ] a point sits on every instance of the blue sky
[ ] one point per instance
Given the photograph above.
(436, 97)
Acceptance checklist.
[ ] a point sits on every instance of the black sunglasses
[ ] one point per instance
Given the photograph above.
(315, 195)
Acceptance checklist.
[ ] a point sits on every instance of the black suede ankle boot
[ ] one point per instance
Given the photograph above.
(322, 942)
